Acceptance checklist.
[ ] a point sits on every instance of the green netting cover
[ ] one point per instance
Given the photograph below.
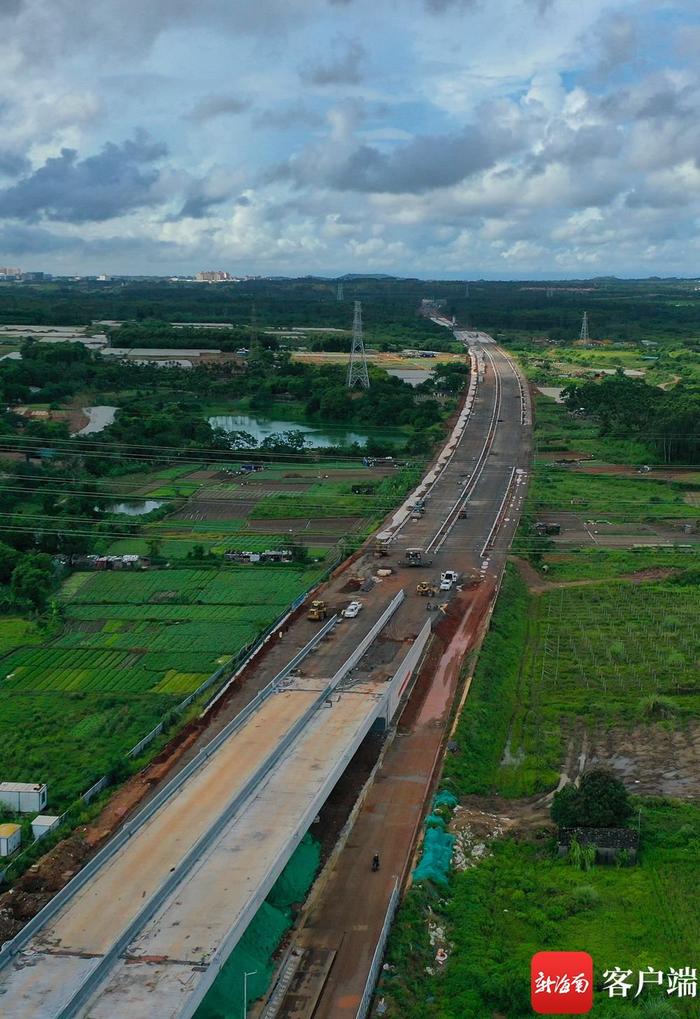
(434, 821)
(253, 953)
(434, 863)
(295, 880)
(445, 799)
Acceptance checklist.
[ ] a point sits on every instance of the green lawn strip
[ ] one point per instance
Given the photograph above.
(169, 548)
(483, 726)
(176, 490)
(336, 499)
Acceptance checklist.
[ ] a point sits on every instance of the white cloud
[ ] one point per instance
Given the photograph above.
(507, 137)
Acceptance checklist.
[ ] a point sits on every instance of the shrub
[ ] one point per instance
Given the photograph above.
(657, 706)
(586, 897)
(601, 801)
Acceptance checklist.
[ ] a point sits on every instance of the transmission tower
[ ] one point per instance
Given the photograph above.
(584, 337)
(466, 290)
(357, 369)
(339, 292)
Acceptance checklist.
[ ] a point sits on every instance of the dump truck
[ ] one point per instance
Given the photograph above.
(317, 610)
(416, 557)
(426, 589)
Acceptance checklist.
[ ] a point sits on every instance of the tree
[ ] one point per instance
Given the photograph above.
(32, 580)
(9, 557)
(600, 801)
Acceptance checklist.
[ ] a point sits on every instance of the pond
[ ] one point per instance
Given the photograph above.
(135, 509)
(319, 437)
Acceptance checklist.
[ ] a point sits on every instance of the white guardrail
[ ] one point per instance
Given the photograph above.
(373, 975)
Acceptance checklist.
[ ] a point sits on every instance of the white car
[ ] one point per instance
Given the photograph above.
(352, 610)
(447, 579)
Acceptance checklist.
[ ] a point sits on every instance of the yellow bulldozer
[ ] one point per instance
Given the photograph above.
(426, 589)
(317, 610)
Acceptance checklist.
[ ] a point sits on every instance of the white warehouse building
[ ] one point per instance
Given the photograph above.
(23, 797)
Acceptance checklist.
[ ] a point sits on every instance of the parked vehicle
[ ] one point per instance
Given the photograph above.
(447, 579)
(353, 609)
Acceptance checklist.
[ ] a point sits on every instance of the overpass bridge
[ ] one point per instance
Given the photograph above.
(145, 927)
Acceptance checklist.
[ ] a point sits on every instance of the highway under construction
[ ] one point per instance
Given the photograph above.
(144, 929)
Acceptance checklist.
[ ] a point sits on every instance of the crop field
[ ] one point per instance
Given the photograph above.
(615, 654)
(131, 647)
(598, 563)
(615, 497)
(258, 585)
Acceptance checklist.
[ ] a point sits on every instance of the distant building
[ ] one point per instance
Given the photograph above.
(35, 277)
(213, 276)
(6, 272)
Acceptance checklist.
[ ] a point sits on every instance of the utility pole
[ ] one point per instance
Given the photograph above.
(339, 292)
(357, 369)
(466, 290)
(584, 337)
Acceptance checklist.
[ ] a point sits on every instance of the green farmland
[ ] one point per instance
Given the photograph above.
(75, 697)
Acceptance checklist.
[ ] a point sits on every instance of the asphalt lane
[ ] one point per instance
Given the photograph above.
(334, 947)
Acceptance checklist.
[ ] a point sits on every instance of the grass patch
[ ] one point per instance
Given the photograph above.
(523, 899)
(482, 730)
(626, 499)
(599, 563)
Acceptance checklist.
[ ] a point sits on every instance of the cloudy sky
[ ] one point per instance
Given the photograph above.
(460, 138)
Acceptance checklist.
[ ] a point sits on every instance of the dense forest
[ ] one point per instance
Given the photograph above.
(627, 310)
(666, 421)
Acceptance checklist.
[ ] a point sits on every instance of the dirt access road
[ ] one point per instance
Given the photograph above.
(331, 957)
